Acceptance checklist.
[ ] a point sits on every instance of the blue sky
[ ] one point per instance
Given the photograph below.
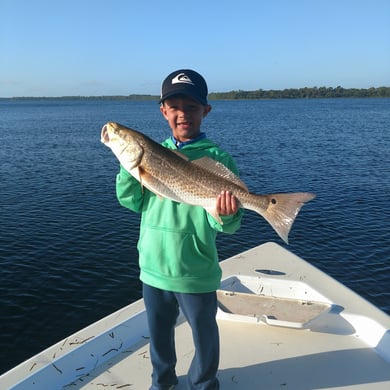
(118, 47)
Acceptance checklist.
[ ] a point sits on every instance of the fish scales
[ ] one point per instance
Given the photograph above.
(170, 174)
(179, 175)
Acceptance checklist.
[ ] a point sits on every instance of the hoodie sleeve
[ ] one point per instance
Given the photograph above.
(231, 223)
(129, 191)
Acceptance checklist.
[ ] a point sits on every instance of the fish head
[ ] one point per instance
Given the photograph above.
(124, 143)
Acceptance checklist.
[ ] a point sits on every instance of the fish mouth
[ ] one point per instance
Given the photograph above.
(104, 137)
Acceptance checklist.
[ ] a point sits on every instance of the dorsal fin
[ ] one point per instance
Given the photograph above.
(219, 169)
(184, 157)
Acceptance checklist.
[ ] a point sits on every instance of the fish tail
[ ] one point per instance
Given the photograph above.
(282, 210)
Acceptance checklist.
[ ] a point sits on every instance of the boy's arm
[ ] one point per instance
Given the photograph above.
(129, 191)
(227, 205)
(230, 213)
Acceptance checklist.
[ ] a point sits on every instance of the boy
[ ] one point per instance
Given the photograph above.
(177, 250)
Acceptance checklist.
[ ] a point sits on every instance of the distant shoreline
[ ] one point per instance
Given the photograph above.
(290, 93)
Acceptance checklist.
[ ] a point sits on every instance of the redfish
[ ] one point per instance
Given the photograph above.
(171, 175)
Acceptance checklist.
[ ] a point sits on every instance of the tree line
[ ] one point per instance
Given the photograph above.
(290, 93)
(304, 93)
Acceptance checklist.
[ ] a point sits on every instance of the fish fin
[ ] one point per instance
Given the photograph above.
(140, 173)
(282, 210)
(181, 155)
(213, 212)
(156, 186)
(220, 170)
(137, 173)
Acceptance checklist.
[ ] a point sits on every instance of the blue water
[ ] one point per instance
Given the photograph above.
(68, 250)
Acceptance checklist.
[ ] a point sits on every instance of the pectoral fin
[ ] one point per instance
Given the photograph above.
(140, 175)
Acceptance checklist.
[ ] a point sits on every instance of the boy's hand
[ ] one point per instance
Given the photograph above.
(227, 203)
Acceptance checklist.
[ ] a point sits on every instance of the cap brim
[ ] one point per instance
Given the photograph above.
(184, 93)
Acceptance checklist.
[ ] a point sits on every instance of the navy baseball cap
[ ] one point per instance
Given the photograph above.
(185, 82)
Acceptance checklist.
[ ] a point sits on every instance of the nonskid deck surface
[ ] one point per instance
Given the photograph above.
(333, 351)
(258, 356)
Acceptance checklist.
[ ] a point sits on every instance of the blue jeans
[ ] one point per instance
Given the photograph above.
(162, 309)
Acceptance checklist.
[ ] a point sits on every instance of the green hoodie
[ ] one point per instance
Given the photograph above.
(177, 249)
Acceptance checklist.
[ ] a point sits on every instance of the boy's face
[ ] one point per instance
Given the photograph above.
(184, 116)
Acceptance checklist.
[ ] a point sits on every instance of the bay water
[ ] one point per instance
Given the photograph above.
(68, 250)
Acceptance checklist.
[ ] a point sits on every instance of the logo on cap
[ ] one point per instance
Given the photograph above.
(182, 78)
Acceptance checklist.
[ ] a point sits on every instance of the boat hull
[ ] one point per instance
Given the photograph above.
(301, 330)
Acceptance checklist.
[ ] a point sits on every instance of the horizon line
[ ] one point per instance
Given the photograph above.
(151, 96)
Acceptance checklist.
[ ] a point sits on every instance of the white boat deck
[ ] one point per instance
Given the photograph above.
(343, 343)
